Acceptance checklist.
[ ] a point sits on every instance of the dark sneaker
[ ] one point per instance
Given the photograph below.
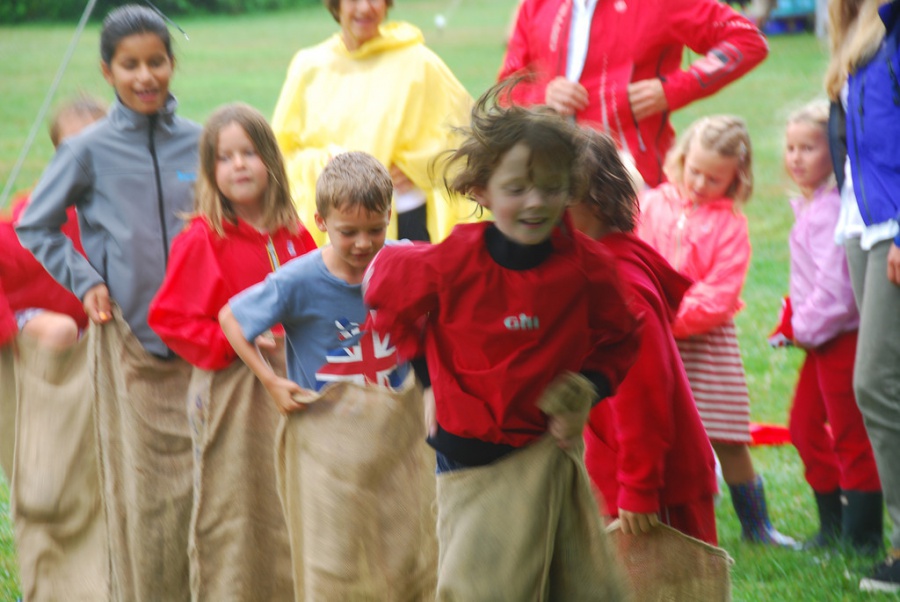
(884, 578)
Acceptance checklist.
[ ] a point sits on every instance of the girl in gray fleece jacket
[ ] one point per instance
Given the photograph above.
(130, 176)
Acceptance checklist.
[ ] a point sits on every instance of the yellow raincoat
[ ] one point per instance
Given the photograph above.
(393, 98)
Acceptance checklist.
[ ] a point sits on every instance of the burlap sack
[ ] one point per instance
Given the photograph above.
(525, 527)
(144, 449)
(7, 409)
(665, 565)
(59, 523)
(239, 547)
(357, 483)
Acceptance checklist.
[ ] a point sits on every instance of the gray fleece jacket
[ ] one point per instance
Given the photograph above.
(130, 184)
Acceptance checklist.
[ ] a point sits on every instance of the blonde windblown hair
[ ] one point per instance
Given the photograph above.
(726, 135)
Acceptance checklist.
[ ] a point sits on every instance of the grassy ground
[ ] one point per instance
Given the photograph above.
(245, 59)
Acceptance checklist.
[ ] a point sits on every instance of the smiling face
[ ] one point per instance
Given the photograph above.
(241, 174)
(806, 156)
(359, 21)
(356, 235)
(707, 174)
(527, 201)
(140, 71)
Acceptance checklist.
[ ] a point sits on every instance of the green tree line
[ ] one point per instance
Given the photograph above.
(31, 11)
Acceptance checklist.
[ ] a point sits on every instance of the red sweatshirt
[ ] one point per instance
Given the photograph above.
(205, 270)
(24, 282)
(495, 337)
(645, 447)
(632, 40)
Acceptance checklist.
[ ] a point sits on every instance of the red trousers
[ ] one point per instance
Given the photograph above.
(842, 456)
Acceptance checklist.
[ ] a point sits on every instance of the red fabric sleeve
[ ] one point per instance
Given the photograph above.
(518, 60)
(401, 285)
(644, 422)
(730, 43)
(615, 327)
(715, 298)
(185, 311)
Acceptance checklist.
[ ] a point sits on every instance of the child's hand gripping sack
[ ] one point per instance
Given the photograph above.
(567, 402)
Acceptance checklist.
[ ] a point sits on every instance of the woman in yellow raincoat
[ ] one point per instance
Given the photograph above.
(373, 87)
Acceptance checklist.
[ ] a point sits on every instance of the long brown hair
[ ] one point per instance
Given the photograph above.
(277, 208)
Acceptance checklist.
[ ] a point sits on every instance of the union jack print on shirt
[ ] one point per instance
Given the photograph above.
(365, 356)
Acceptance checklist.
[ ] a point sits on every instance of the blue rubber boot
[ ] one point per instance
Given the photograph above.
(749, 500)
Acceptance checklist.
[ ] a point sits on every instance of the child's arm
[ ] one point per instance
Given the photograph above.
(285, 392)
(830, 307)
(64, 182)
(714, 298)
(184, 312)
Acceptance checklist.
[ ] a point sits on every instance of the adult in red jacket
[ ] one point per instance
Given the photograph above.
(27, 285)
(616, 64)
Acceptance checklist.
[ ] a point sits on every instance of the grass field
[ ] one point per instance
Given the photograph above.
(245, 58)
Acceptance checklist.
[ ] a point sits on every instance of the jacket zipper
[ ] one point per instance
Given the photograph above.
(859, 175)
(273, 256)
(679, 227)
(159, 191)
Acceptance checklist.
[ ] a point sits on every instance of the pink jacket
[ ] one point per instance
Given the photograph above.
(632, 40)
(708, 243)
(821, 295)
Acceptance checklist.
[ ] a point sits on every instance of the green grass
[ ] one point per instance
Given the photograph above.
(245, 58)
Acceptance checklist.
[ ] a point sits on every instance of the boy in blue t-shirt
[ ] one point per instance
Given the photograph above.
(318, 298)
(356, 479)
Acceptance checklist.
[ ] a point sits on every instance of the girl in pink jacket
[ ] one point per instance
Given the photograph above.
(694, 222)
(839, 463)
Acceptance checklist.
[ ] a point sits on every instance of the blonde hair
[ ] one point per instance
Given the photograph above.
(726, 135)
(814, 113)
(209, 203)
(856, 31)
(354, 179)
(83, 105)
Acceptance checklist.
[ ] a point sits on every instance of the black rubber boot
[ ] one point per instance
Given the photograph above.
(863, 521)
(830, 520)
(749, 500)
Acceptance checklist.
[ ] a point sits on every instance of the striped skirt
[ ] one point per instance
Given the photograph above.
(714, 368)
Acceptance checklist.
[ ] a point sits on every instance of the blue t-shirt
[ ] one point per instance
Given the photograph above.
(322, 316)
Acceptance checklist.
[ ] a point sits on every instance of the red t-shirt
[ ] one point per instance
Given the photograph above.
(494, 337)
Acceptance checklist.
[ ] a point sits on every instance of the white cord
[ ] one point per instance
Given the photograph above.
(44, 107)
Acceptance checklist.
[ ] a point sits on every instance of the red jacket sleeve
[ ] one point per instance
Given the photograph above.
(401, 285)
(185, 311)
(642, 410)
(714, 298)
(518, 60)
(730, 43)
(614, 325)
